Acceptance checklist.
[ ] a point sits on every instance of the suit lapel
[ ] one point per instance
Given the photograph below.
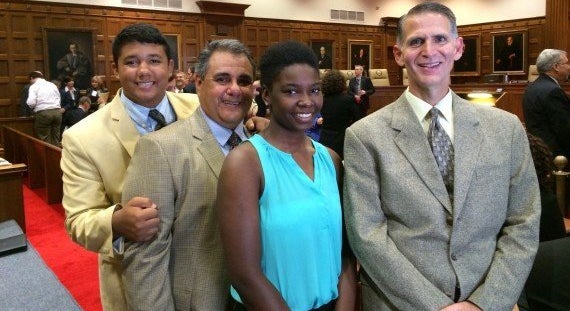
(123, 126)
(208, 146)
(467, 141)
(414, 145)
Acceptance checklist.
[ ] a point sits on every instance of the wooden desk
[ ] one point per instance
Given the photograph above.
(11, 194)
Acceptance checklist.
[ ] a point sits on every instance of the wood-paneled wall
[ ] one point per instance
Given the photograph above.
(22, 42)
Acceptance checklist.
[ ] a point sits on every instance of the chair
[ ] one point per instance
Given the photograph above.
(379, 77)
(405, 79)
(348, 74)
(532, 73)
(323, 71)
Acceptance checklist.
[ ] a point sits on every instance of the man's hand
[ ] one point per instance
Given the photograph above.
(256, 124)
(137, 221)
(462, 306)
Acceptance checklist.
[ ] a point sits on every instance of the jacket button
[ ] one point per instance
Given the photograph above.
(453, 257)
(449, 221)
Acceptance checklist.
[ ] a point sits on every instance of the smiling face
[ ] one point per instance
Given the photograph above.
(226, 91)
(428, 51)
(295, 97)
(143, 70)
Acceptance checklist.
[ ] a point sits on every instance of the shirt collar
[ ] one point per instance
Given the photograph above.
(421, 108)
(139, 114)
(221, 133)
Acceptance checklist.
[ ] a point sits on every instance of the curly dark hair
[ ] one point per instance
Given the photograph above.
(281, 55)
(542, 157)
(333, 83)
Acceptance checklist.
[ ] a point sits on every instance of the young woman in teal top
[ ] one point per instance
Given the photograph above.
(278, 200)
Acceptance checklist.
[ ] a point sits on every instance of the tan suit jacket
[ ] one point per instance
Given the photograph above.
(95, 156)
(183, 268)
(412, 242)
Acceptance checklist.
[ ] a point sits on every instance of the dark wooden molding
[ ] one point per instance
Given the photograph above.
(222, 8)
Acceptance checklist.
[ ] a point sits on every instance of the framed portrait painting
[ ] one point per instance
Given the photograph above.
(509, 52)
(359, 53)
(470, 62)
(325, 52)
(174, 43)
(68, 52)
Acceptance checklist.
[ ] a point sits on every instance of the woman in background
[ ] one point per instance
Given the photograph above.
(278, 203)
(339, 111)
(97, 93)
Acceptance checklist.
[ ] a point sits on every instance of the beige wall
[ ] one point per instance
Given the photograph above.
(468, 11)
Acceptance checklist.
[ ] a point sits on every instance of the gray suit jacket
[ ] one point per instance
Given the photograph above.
(183, 267)
(412, 243)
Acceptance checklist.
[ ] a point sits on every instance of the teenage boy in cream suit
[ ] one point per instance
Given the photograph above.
(422, 245)
(97, 151)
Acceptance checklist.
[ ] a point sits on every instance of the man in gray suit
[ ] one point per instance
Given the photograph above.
(466, 243)
(177, 168)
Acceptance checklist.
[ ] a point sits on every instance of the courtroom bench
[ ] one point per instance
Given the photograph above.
(41, 158)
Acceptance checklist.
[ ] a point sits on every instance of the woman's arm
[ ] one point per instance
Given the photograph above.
(347, 281)
(237, 207)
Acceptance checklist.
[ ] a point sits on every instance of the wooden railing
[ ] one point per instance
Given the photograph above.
(41, 158)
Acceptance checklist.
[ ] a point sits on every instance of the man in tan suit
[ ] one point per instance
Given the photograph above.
(97, 151)
(177, 168)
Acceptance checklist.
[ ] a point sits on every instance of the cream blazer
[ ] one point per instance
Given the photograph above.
(96, 153)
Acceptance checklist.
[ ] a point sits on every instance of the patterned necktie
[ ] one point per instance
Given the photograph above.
(234, 140)
(158, 117)
(442, 149)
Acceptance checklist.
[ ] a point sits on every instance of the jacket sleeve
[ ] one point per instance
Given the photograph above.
(145, 265)
(518, 239)
(88, 209)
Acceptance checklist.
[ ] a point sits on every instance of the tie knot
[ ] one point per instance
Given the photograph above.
(234, 140)
(158, 117)
(434, 113)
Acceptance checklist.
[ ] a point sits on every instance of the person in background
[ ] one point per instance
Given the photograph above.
(69, 97)
(339, 111)
(190, 83)
(179, 81)
(97, 151)
(361, 88)
(278, 200)
(76, 114)
(45, 100)
(546, 106)
(441, 197)
(187, 270)
(98, 93)
(551, 219)
(25, 110)
(315, 131)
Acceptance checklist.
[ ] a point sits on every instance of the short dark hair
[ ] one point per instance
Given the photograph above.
(426, 7)
(333, 82)
(231, 46)
(542, 158)
(283, 54)
(142, 33)
(67, 79)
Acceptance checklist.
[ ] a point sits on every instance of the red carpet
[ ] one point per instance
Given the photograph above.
(74, 266)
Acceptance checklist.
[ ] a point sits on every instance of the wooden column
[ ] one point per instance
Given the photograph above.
(222, 20)
(557, 25)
